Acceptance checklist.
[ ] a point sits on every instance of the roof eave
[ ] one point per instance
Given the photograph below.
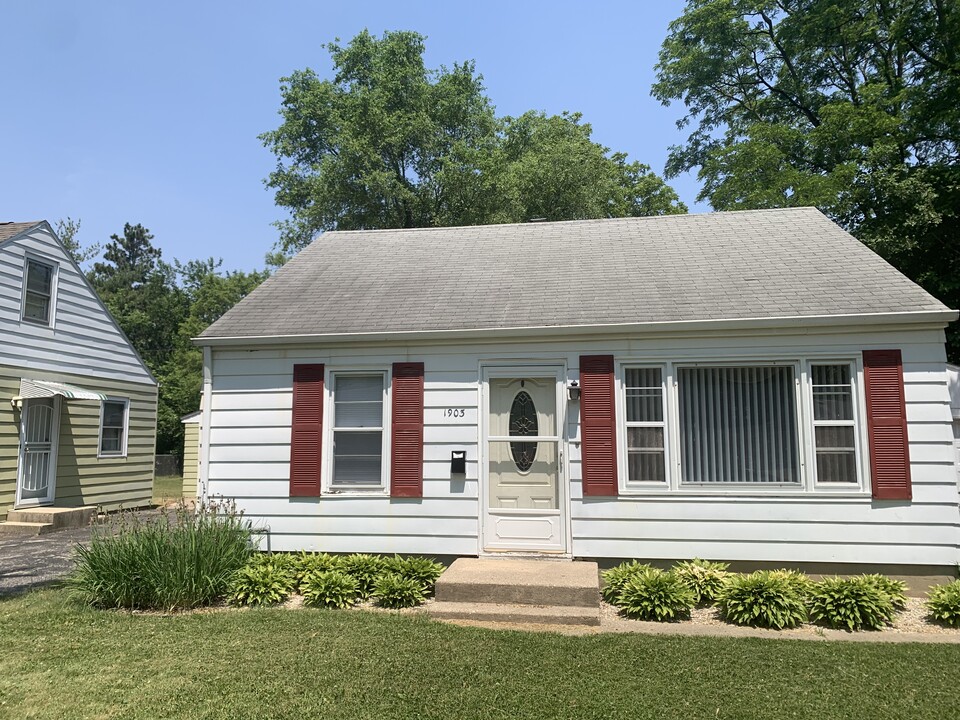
(924, 317)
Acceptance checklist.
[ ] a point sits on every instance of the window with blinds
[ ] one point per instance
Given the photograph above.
(357, 431)
(738, 425)
(834, 424)
(646, 430)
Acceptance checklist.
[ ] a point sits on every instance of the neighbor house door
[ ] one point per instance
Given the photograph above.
(523, 494)
(38, 451)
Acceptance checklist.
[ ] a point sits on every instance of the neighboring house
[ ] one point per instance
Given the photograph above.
(738, 386)
(953, 382)
(78, 407)
(191, 456)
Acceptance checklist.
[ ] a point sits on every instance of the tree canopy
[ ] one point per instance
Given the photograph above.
(848, 105)
(388, 143)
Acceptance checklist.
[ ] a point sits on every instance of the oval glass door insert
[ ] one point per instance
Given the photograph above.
(523, 422)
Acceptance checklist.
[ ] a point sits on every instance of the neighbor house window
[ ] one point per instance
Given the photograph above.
(358, 422)
(38, 292)
(113, 428)
(834, 424)
(738, 425)
(646, 430)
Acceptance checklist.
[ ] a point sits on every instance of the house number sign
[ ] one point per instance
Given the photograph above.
(455, 412)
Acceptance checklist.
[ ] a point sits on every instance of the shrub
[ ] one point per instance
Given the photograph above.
(615, 577)
(652, 594)
(365, 569)
(305, 563)
(850, 604)
(396, 591)
(329, 589)
(704, 578)
(262, 583)
(895, 589)
(181, 560)
(943, 603)
(766, 598)
(423, 570)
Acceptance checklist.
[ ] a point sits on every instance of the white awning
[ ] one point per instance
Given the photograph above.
(49, 388)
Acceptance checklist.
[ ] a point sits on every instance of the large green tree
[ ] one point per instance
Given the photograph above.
(388, 143)
(848, 105)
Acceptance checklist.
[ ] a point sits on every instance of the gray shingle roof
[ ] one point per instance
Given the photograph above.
(10, 229)
(716, 266)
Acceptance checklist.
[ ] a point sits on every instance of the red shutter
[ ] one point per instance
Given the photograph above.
(887, 425)
(406, 438)
(598, 425)
(306, 435)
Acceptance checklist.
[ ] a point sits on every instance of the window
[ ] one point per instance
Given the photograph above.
(646, 432)
(38, 292)
(834, 426)
(113, 428)
(358, 438)
(738, 425)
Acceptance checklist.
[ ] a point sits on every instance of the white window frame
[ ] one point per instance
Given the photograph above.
(807, 487)
(327, 486)
(622, 441)
(31, 258)
(126, 429)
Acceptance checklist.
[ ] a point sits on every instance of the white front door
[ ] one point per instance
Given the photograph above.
(524, 500)
(38, 451)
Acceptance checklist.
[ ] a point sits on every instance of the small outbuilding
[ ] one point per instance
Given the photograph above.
(748, 386)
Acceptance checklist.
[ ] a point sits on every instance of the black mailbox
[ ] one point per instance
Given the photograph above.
(458, 462)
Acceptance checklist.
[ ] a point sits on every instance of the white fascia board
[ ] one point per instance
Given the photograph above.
(904, 320)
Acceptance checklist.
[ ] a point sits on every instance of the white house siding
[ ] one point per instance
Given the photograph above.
(84, 340)
(249, 432)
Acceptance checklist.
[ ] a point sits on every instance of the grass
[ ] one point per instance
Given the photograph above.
(58, 660)
(167, 488)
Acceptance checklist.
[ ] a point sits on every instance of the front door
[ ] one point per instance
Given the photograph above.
(38, 451)
(524, 501)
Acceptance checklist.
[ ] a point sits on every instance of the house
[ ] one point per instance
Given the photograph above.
(191, 453)
(78, 407)
(746, 386)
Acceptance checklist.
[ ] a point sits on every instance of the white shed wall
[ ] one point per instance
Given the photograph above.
(249, 431)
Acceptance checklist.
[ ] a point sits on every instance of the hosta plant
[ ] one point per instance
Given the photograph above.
(704, 578)
(261, 583)
(762, 599)
(653, 594)
(943, 603)
(796, 579)
(329, 589)
(850, 604)
(420, 569)
(305, 563)
(365, 569)
(895, 589)
(396, 591)
(615, 577)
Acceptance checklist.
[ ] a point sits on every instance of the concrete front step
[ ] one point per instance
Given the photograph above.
(13, 527)
(515, 613)
(520, 582)
(60, 518)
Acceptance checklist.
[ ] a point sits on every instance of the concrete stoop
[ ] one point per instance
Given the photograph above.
(43, 520)
(545, 592)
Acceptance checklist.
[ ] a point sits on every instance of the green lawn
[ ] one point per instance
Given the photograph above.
(58, 661)
(166, 488)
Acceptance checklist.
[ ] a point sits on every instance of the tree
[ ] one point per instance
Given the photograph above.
(848, 105)
(388, 143)
(67, 232)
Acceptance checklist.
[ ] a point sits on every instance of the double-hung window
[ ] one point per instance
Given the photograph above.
(114, 420)
(38, 291)
(646, 429)
(834, 423)
(358, 431)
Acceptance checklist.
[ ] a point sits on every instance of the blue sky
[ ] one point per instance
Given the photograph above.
(142, 112)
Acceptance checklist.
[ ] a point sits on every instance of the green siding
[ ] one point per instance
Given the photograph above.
(191, 458)
(82, 477)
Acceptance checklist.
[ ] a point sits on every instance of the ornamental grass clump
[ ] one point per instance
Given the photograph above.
(179, 560)
(770, 599)
(704, 578)
(396, 591)
(850, 604)
(329, 589)
(943, 604)
(421, 570)
(652, 594)
(615, 577)
(262, 583)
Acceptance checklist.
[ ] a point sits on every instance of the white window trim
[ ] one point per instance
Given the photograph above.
(126, 429)
(623, 449)
(327, 487)
(807, 487)
(28, 258)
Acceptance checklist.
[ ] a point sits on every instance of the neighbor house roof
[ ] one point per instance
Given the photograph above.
(12, 229)
(719, 266)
